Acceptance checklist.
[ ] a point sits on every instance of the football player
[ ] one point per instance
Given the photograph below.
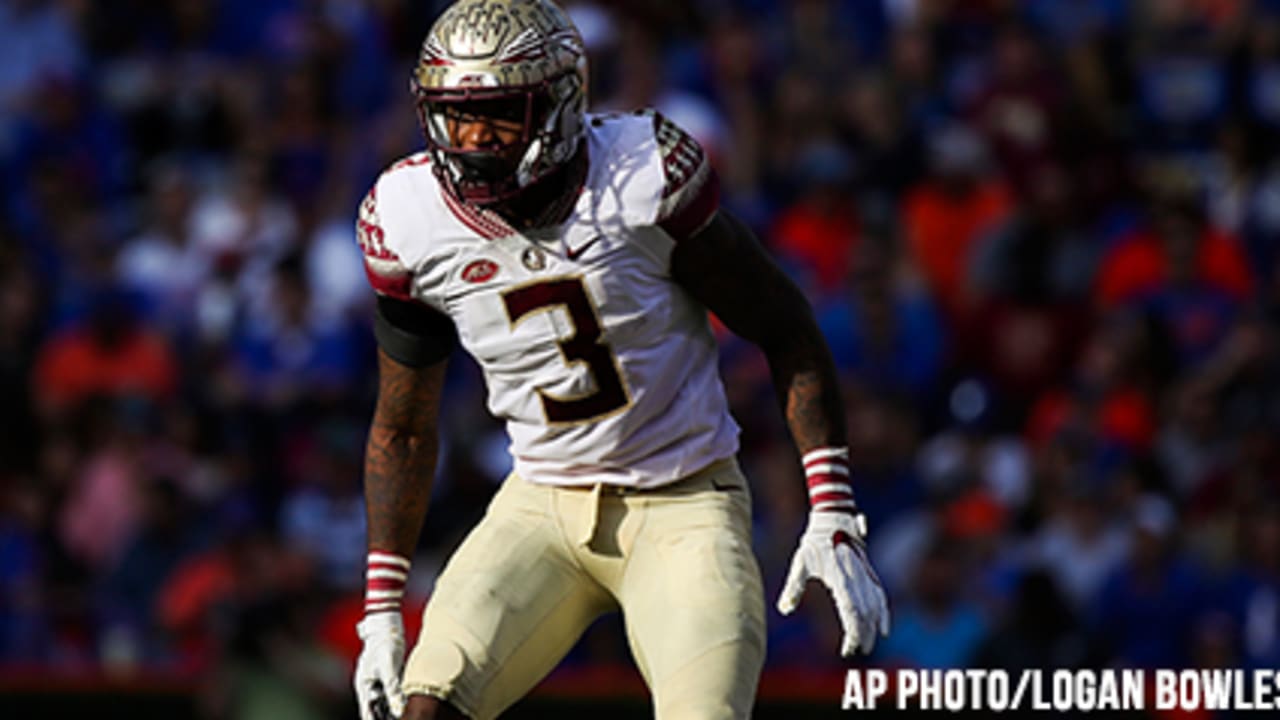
(575, 257)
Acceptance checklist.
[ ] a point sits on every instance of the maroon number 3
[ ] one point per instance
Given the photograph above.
(584, 346)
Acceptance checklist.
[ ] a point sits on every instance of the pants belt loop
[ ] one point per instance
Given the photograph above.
(593, 516)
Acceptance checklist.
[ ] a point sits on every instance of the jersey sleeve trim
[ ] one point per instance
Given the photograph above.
(387, 274)
(691, 189)
(696, 212)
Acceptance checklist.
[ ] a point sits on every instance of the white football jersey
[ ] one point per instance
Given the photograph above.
(604, 369)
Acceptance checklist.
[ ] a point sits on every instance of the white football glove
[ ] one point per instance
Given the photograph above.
(833, 550)
(377, 678)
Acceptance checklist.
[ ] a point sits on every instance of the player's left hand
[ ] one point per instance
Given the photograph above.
(377, 677)
(833, 550)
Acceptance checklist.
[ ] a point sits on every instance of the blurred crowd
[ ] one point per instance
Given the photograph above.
(1042, 239)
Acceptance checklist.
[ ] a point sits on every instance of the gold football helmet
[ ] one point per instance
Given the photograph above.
(515, 60)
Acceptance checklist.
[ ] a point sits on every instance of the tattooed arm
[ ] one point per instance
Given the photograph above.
(726, 269)
(400, 457)
(400, 461)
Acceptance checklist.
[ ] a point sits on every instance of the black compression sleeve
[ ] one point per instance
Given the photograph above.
(413, 334)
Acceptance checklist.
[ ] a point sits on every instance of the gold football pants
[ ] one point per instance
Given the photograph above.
(545, 562)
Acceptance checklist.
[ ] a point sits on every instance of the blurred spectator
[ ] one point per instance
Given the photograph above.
(820, 231)
(1252, 592)
(1181, 82)
(1176, 245)
(1041, 253)
(287, 353)
(1104, 406)
(242, 231)
(38, 43)
(166, 533)
(1040, 630)
(1238, 186)
(21, 309)
(159, 264)
(24, 621)
(1018, 106)
(914, 68)
(969, 455)
(1080, 545)
(818, 33)
(946, 214)
(1191, 444)
(883, 438)
(105, 501)
(1246, 373)
(1149, 594)
(797, 120)
(70, 138)
(302, 155)
(1262, 78)
(937, 627)
(323, 516)
(886, 146)
(885, 330)
(335, 272)
(1190, 277)
(202, 594)
(1076, 21)
(1029, 275)
(110, 354)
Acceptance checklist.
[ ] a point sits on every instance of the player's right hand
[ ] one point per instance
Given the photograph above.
(377, 678)
(833, 551)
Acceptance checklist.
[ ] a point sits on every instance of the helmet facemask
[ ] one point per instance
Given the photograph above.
(528, 131)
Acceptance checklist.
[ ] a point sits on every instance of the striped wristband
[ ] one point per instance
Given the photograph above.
(384, 582)
(826, 470)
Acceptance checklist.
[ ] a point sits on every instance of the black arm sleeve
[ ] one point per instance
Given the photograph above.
(413, 334)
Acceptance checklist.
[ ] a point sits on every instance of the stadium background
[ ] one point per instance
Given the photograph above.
(1040, 236)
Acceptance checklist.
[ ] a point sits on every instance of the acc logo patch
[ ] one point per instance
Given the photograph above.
(478, 271)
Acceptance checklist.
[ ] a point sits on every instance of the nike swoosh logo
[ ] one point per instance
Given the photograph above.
(574, 254)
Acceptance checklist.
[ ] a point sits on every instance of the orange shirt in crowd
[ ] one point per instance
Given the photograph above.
(942, 230)
(72, 367)
(1138, 264)
(823, 240)
(1124, 416)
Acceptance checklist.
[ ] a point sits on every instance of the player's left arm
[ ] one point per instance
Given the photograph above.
(724, 267)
